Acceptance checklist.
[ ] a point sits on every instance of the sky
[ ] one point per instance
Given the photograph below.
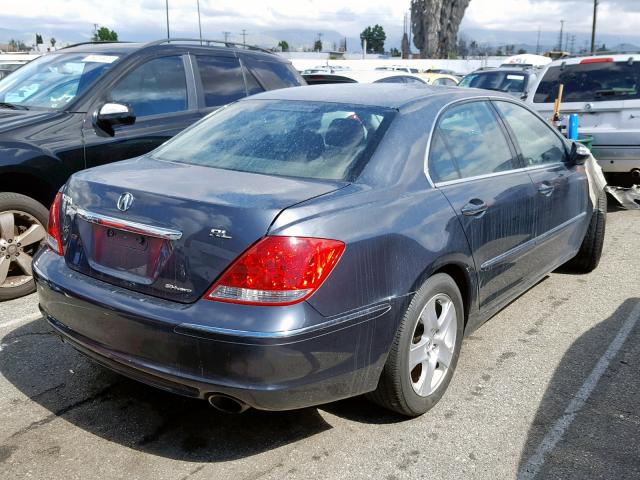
(72, 20)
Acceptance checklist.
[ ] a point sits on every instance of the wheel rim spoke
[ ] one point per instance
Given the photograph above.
(7, 226)
(428, 371)
(35, 233)
(417, 353)
(4, 268)
(445, 354)
(24, 261)
(429, 316)
(446, 320)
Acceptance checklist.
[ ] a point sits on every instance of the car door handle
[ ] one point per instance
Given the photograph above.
(546, 189)
(474, 207)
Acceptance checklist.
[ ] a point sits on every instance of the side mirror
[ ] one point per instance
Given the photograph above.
(111, 114)
(579, 154)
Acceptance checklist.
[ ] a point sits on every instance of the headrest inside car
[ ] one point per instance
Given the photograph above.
(344, 132)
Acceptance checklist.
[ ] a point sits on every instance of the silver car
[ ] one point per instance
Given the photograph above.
(604, 90)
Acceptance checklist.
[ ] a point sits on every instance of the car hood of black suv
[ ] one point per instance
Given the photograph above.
(13, 119)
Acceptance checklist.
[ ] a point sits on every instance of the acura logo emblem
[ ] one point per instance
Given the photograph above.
(124, 202)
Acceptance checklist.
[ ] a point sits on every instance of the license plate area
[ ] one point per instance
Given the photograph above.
(127, 255)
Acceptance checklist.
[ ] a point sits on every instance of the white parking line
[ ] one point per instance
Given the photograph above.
(551, 439)
(18, 321)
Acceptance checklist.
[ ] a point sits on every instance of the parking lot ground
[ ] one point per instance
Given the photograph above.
(549, 388)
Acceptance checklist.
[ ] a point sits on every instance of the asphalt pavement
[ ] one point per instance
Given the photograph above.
(549, 389)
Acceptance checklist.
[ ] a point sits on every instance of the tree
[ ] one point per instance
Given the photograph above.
(499, 52)
(317, 46)
(39, 39)
(375, 38)
(17, 46)
(283, 45)
(103, 34)
(395, 52)
(521, 51)
(52, 41)
(463, 49)
(473, 47)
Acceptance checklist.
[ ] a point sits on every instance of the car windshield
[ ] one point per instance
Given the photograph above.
(512, 82)
(591, 82)
(328, 141)
(54, 80)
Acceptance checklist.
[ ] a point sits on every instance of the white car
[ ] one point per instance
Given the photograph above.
(604, 90)
(363, 76)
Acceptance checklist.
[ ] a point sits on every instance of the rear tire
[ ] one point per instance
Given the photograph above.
(590, 251)
(425, 350)
(19, 213)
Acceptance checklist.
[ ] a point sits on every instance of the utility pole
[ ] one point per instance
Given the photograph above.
(561, 35)
(199, 22)
(538, 43)
(166, 2)
(226, 36)
(593, 27)
(244, 37)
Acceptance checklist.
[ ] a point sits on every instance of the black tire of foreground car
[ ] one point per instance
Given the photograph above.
(399, 386)
(590, 251)
(19, 214)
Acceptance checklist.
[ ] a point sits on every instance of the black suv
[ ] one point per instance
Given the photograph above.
(96, 103)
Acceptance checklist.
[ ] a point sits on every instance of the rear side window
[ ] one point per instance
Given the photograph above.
(513, 82)
(222, 80)
(538, 144)
(590, 82)
(470, 137)
(156, 87)
(273, 75)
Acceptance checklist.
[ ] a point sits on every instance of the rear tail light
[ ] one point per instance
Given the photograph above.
(54, 237)
(278, 271)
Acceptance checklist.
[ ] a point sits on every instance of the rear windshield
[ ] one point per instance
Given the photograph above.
(329, 141)
(514, 82)
(590, 82)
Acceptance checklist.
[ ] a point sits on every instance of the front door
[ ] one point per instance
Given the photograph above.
(163, 102)
(562, 198)
(474, 165)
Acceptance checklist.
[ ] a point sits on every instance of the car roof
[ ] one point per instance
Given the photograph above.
(367, 76)
(387, 95)
(516, 70)
(624, 57)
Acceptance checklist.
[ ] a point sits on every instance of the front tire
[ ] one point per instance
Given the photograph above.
(425, 350)
(588, 256)
(22, 230)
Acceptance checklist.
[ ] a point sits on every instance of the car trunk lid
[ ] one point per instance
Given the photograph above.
(183, 226)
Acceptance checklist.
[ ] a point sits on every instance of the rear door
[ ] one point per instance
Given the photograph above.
(472, 162)
(161, 91)
(561, 200)
(221, 80)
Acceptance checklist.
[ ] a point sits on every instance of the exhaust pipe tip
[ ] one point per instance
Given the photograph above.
(226, 404)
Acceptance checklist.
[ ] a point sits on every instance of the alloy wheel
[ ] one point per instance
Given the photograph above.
(20, 237)
(433, 344)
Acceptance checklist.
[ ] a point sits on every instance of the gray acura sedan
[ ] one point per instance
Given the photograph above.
(315, 243)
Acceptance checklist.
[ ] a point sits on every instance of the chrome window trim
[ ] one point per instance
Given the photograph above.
(487, 175)
(128, 225)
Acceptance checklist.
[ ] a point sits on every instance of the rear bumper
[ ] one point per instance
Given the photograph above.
(171, 346)
(617, 159)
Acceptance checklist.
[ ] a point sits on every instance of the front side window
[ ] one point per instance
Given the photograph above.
(54, 80)
(299, 139)
(470, 136)
(590, 82)
(222, 80)
(156, 87)
(538, 144)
